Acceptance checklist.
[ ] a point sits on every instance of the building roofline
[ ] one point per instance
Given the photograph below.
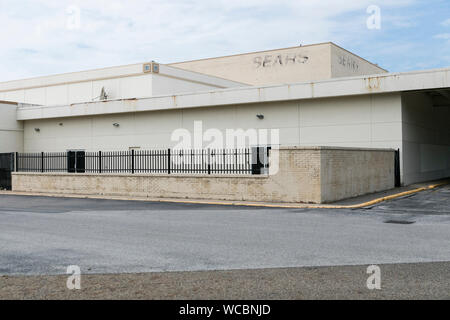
(72, 73)
(141, 63)
(246, 53)
(287, 48)
(135, 69)
(350, 86)
(116, 73)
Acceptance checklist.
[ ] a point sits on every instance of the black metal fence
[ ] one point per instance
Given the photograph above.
(198, 161)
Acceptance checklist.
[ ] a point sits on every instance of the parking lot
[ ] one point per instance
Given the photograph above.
(42, 236)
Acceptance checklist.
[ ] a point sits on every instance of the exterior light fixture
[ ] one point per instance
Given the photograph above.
(37, 129)
(260, 116)
(116, 125)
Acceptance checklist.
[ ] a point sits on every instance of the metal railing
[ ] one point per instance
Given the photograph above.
(193, 161)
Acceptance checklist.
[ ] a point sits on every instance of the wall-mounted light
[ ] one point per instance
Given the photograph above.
(260, 116)
(37, 129)
(116, 125)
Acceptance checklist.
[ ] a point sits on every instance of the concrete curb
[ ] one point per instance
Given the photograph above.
(253, 204)
(390, 197)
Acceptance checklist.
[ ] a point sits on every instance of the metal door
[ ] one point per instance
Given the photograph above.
(76, 161)
(6, 167)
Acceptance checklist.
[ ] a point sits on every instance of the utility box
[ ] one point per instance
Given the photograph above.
(151, 67)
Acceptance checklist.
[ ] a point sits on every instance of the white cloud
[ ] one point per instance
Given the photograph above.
(35, 38)
(446, 23)
(444, 36)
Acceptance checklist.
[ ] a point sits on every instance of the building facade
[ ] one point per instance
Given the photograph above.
(319, 95)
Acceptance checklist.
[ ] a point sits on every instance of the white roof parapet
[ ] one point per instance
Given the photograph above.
(360, 85)
(72, 77)
(192, 76)
(112, 73)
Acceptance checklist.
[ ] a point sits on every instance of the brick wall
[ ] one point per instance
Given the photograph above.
(348, 173)
(311, 175)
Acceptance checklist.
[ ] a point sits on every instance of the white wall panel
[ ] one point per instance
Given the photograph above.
(342, 121)
(15, 96)
(36, 96)
(136, 86)
(57, 95)
(324, 135)
(11, 130)
(80, 92)
(335, 111)
(386, 131)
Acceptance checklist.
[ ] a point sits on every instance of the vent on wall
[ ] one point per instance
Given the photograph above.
(151, 67)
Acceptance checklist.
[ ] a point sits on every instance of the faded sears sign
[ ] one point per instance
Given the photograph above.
(279, 60)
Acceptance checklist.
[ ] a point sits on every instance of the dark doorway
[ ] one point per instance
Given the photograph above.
(6, 167)
(76, 161)
(260, 160)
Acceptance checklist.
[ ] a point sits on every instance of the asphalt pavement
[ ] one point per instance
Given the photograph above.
(42, 236)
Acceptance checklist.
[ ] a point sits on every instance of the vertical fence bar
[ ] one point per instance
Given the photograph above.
(132, 161)
(99, 162)
(168, 161)
(42, 162)
(209, 161)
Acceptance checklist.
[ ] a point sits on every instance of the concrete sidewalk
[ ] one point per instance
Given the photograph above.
(398, 281)
(356, 202)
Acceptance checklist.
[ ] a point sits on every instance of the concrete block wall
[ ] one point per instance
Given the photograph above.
(348, 173)
(308, 175)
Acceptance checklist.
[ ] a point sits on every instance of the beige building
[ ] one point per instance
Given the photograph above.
(290, 65)
(317, 95)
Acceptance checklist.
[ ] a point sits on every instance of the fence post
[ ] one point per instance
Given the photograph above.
(209, 161)
(132, 161)
(168, 161)
(397, 175)
(17, 162)
(99, 162)
(42, 161)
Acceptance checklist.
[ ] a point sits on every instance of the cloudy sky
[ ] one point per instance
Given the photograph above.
(42, 37)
